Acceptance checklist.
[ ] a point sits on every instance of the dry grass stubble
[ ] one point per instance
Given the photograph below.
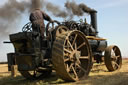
(98, 76)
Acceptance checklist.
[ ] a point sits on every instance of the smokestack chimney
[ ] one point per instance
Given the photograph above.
(94, 20)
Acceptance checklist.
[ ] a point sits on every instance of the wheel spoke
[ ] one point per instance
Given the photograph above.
(81, 68)
(115, 63)
(114, 58)
(75, 46)
(81, 45)
(74, 40)
(69, 67)
(74, 72)
(118, 56)
(114, 49)
(65, 60)
(84, 57)
(70, 44)
(67, 50)
(78, 61)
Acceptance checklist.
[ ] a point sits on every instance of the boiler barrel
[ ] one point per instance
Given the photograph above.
(98, 45)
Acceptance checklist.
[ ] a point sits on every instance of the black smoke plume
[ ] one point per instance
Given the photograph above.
(74, 8)
(71, 9)
(56, 11)
(78, 9)
(12, 10)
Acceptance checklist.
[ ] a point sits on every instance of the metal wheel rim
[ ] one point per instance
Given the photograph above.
(76, 70)
(113, 58)
(60, 62)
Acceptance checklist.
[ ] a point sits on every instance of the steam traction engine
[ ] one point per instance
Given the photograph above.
(70, 48)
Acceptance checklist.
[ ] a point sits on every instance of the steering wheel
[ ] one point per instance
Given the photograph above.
(27, 27)
(53, 27)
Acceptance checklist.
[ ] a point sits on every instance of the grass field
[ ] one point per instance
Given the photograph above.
(98, 76)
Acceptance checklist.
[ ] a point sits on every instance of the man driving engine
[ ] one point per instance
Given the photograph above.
(37, 19)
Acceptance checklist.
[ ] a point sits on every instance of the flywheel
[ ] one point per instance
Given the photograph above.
(61, 29)
(71, 56)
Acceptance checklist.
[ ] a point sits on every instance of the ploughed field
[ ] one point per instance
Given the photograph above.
(99, 75)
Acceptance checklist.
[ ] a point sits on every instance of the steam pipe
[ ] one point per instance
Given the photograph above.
(94, 20)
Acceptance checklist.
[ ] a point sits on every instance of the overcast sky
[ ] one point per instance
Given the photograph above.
(112, 23)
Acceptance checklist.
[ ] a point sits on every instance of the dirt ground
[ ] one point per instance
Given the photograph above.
(99, 75)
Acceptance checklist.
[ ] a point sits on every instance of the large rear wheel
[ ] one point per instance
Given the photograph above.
(71, 56)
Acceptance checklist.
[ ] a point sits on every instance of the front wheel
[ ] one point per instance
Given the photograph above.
(113, 58)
